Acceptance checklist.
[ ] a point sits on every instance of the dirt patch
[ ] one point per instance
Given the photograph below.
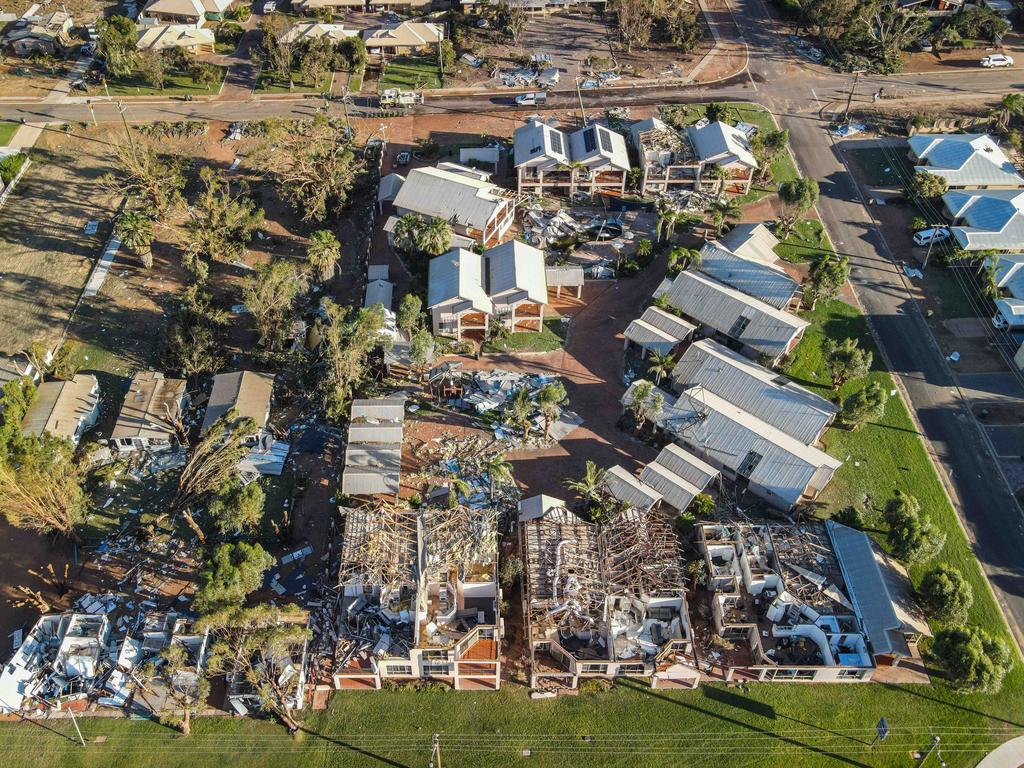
(23, 78)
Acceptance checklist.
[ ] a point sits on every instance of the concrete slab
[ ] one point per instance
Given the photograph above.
(1008, 441)
(991, 387)
(1009, 755)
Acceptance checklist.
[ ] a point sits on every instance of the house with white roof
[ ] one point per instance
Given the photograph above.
(467, 290)
(727, 148)
(312, 30)
(667, 157)
(987, 219)
(760, 279)
(760, 391)
(343, 6)
(477, 210)
(549, 161)
(964, 160)
(403, 37)
(752, 241)
(162, 37)
(759, 329)
(191, 12)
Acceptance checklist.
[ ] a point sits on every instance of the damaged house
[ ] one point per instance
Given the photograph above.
(667, 157)
(727, 149)
(373, 455)
(287, 667)
(606, 602)
(589, 161)
(64, 409)
(776, 607)
(419, 598)
(249, 394)
(151, 407)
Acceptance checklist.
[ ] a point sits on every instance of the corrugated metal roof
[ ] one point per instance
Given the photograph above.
(964, 160)
(373, 458)
(540, 145)
(597, 147)
(628, 489)
(755, 278)
(389, 408)
(379, 292)
(994, 218)
(685, 465)
(458, 274)
(658, 330)
(248, 392)
(674, 490)
(1009, 269)
(515, 266)
(762, 392)
(733, 313)
(726, 435)
(865, 585)
(536, 507)
(151, 401)
(403, 34)
(434, 192)
(378, 272)
(751, 241)
(161, 37)
(722, 144)
(60, 407)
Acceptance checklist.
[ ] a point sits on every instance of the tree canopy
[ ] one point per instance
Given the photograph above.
(912, 536)
(947, 594)
(975, 660)
(231, 573)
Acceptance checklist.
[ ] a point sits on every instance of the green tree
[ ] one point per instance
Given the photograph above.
(510, 570)
(520, 409)
(724, 211)
(928, 185)
(16, 398)
(42, 491)
(434, 237)
(550, 398)
(846, 361)
(976, 661)
(1010, 106)
(716, 112)
(912, 536)
(353, 51)
(142, 172)
(185, 685)
(323, 252)
(152, 65)
(315, 60)
(421, 348)
(864, 404)
(947, 594)
(635, 21)
(406, 232)
(702, 506)
(828, 275)
(232, 572)
(646, 405)
(590, 487)
(116, 38)
(499, 471)
(278, 48)
(349, 335)
(446, 56)
(221, 222)
(238, 508)
(135, 228)
(408, 315)
(768, 146)
(797, 197)
(660, 366)
(206, 75)
(268, 294)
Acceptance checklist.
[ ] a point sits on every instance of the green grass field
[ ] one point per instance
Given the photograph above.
(806, 242)
(547, 340)
(177, 84)
(270, 82)
(411, 72)
(7, 131)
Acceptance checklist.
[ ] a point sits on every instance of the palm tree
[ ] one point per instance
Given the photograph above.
(660, 365)
(990, 280)
(644, 248)
(405, 233)
(590, 486)
(1011, 104)
(456, 486)
(435, 237)
(550, 397)
(135, 229)
(499, 470)
(520, 409)
(723, 211)
(662, 302)
(323, 252)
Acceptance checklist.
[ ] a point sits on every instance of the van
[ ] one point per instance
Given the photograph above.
(531, 99)
(933, 235)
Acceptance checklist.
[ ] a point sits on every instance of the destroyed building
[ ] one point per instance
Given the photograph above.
(606, 602)
(667, 157)
(373, 455)
(63, 659)
(286, 666)
(775, 607)
(419, 598)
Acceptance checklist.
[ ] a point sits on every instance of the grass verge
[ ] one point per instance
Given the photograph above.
(177, 84)
(548, 339)
(807, 242)
(271, 82)
(7, 131)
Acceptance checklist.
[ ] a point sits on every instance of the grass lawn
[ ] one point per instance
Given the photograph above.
(806, 242)
(177, 84)
(7, 131)
(411, 72)
(875, 166)
(547, 340)
(270, 82)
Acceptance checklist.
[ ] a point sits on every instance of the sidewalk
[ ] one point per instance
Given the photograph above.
(1009, 755)
(27, 135)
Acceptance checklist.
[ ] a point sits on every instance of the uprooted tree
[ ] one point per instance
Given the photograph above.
(143, 172)
(221, 222)
(182, 681)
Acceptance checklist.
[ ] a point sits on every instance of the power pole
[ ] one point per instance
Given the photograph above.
(579, 95)
(122, 108)
(435, 754)
(75, 721)
(928, 253)
(849, 100)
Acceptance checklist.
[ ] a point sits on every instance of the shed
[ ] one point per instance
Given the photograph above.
(658, 331)
(247, 392)
(628, 489)
(678, 476)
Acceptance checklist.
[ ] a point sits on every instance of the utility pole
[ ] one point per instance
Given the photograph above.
(849, 100)
(435, 754)
(933, 747)
(122, 108)
(92, 111)
(928, 253)
(75, 721)
(579, 95)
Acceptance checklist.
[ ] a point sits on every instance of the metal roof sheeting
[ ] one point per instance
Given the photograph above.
(248, 392)
(751, 241)
(628, 489)
(515, 267)
(755, 278)
(678, 476)
(722, 144)
(567, 277)
(149, 405)
(659, 331)
(434, 192)
(373, 457)
(994, 218)
(61, 407)
(765, 328)
(596, 147)
(458, 274)
(379, 292)
(964, 160)
(760, 391)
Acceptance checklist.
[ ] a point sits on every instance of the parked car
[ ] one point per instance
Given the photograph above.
(531, 99)
(931, 235)
(997, 60)
(270, 6)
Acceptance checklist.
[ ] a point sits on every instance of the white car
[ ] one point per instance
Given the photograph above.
(997, 60)
(933, 235)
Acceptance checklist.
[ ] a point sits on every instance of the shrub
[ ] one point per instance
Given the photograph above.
(11, 165)
(947, 594)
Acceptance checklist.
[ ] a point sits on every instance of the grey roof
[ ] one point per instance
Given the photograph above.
(755, 278)
(379, 292)
(539, 145)
(536, 507)
(994, 218)
(248, 392)
(678, 476)
(378, 272)
(722, 144)
(658, 330)
(514, 267)
(389, 187)
(628, 489)
(61, 407)
(149, 405)
(458, 274)
(390, 408)
(373, 457)
(726, 435)
(751, 241)
(1010, 273)
(866, 586)
(434, 192)
(734, 314)
(310, 30)
(762, 392)
(964, 160)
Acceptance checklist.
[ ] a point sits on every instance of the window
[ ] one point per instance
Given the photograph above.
(399, 669)
(851, 674)
(436, 670)
(631, 669)
(606, 140)
(591, 669)
(738, 327)
(556, 142)
(435, 655)
(590, 139)
(749, 463)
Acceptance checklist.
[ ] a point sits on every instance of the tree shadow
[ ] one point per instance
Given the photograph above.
(911, 692)
(358, 750)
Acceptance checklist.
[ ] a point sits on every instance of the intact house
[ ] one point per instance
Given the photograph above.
(468, 291)
(65, 409)
(987, 219)
(286, 665)
(419, 597)
(305, 31)
(151, 407)
(756, 328)
(161, 37)
(1009, 277)
(589, 161)
(403, 37)
(657, 331)
(964, 160)
(778, 601)
(189, 12)
(603, 603)
(727, 149)
(754, 277)
(373, 452)
(478, 211)
(31, 34)
(667, 157)
(249, 394)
